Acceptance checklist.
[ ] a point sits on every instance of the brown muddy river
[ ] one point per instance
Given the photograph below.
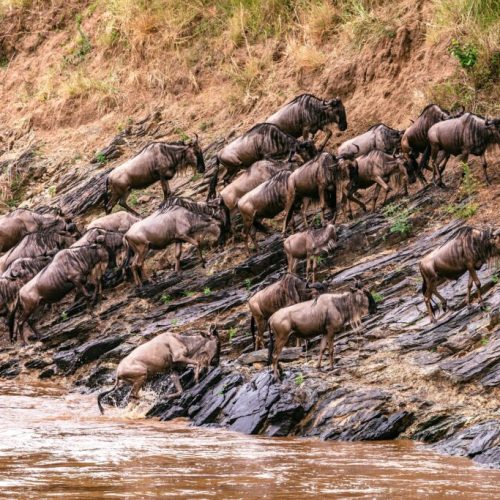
(55, 445)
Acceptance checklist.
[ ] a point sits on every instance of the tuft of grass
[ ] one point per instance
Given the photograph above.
(51, 191)
(399, 219)
(377, 297)
(64, 316)
(468, 188)
(133, 199)
(188, 293)
(101, 158)
(166, 298)
(319, 20)
(248, 283)
(207, 292)
(363, 25)
(305, 58)
(232, 333)
(174, 322)
(299, 379)
(484, 340)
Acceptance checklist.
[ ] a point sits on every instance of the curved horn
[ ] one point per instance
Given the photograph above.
(356, 146)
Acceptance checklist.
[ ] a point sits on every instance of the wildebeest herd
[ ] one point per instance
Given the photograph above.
(283, 170)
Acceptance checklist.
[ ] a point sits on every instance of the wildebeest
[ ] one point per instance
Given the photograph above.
(287, 291)
(315, 180)
(325, 315)
(161, 355)
(377, 168)
(467, 250)
(158, 161)
(35, 244)
(177, 221)
(69, 269)
(20, 222)
(415, 139)
(379, 136)
(307, 114)
(263, 202)
(258, 173)
(469, 134)
(16, 275)
(309, 245)
(113, 242)
(263, 141)
(118, 221)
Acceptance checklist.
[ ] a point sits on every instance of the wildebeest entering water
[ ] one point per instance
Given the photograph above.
(161, 355)
(467, 251)
(158, 161)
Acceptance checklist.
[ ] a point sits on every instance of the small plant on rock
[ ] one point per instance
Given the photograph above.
(207, 292)
(377, 297)
(166, 298)
(231, 333)
(299, 378)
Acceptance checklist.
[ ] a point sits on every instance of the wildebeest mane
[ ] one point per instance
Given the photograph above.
(445, 111)
(475, 241)
(291, 285)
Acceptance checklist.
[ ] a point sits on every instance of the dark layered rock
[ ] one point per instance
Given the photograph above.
(481, 442)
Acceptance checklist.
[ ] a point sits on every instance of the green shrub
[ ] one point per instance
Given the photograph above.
(231, 333)
(466, 54)
(377, 297)
(299, 378)
(207, 292)
(166, 298)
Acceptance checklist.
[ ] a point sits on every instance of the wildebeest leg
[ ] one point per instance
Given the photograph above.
(314, 266)
(261, 328)
(485, 167)
(280, 342)
(330, 347)
(442, 164)
(253, 235)
(305, 205)
(196, 244)
(123, 203)
(350, 196)
(175, 379)
(473, 278)
(165, 187)
(428, 288)
(322, 347)
(328, 134)
(381, 183)
(435, 168)
(178, 254)
(136, 387)
(375, 197)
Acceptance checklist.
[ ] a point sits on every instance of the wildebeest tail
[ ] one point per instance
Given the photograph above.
(129, 252)
(11, 321)
(424, 287)
(270, 347)
(213, 180)
(105, 393)
(252, 329)
(106, 195)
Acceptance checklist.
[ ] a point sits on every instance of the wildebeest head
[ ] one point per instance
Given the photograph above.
(336, 111)
(194, 155)
(212, 347)
(364, 298)
(306, 150)
(315, 289)
(495, 241)
(493, 126)
(409, 167)
(224, 217)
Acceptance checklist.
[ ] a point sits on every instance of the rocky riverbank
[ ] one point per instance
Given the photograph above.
(402, 377)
